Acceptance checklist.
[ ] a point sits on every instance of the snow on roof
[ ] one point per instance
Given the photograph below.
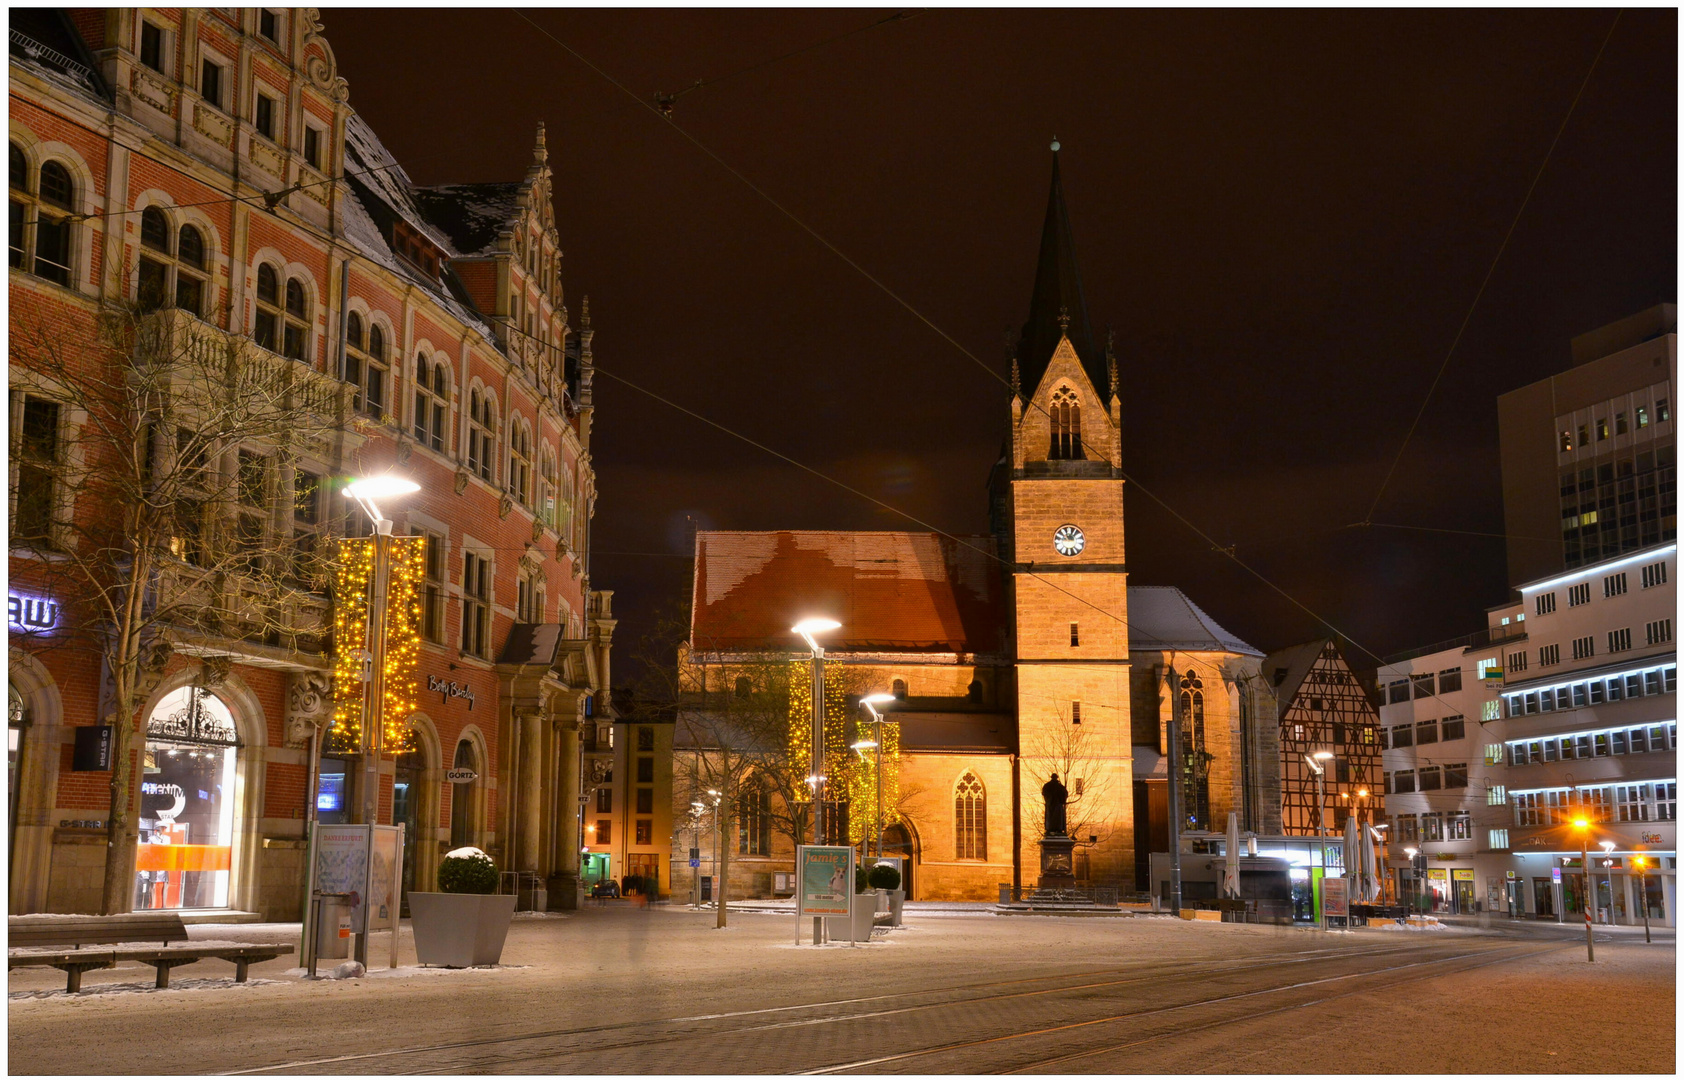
(1162, 617)
(472, 214)
(374, 166)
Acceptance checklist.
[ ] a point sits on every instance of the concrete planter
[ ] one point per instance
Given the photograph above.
(460, 929)
(857, 925)
(897, 901)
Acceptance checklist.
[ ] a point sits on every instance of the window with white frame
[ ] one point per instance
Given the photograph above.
(1658, 632)
(41, 202)
(1614, 585)
(1459, 826)
(546, 485)
(1666, 800)
(1584, 647)
(306, 524)
(432, 402)
(1497, 839)
(529, 601)
(172, 265)
(1654, 574)
(365, 364)
(482, 429)
(1544, 603)
(1578, 594)
(1450, 680)
(1456, 775)
(432, 585)
(210, 82)
(1548, 655)
(36, 456)
(1517, 662)
(1496, 795)
(476, 604)
(520, 462)
(1619, 640)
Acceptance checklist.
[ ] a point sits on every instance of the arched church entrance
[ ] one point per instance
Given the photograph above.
(897, 843)
(187, 803)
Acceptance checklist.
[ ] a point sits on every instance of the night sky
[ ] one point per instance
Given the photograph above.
(1284, 217)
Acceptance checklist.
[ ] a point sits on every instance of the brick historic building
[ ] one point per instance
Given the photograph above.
(1010, 654)
(208, 164)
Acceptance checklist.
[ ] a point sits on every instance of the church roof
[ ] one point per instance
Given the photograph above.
(1058, 293)
(1162, 617)
(1285, 669)
(891, 591)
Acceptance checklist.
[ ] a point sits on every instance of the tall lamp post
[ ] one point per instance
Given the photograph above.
(1315, 762)
(1607, 847)
(871, 702)
(1641, 865)
(1582, 824)
(364, 492)
(807, 628)
(1409, 904)
(718, 842)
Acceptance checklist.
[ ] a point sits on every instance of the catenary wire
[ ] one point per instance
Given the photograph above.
(1491, 270)
(826, 243)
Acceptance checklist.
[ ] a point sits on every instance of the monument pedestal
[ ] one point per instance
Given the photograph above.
(1058, 866)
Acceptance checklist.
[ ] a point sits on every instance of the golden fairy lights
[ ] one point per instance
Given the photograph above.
(850, 778)
(353, 575)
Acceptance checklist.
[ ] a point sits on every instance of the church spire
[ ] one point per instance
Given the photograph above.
(1057, 307)
(540, 152)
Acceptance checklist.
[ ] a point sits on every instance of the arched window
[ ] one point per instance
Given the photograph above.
(1195, 762)
(974, 692)
(374, 377)
(546, 486)
(1066, 414)
(432, 401)
(172, 268)
(520, 462)
(297, 319)
(482, 429)
(39, 217)
(266, 325)
(970, 819)
(354, 346)
(898, 688)
(744, 687)
(462, 797)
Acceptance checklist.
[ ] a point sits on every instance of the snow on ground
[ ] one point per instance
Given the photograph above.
(112, 989)
(195, 943)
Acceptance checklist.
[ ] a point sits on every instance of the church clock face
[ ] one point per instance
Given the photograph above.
(1068, 540)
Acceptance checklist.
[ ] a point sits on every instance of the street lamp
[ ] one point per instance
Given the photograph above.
(1410, 903)
(1583, 825)
(871, 701)
(364, 492)
(1314, 761)
(1641, 865)
(718, 842)
(807, 628)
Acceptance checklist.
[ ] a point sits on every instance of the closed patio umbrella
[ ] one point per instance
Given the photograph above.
(1355, 890)
(1231, 868)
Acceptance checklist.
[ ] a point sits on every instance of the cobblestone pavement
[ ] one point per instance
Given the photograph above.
(619, 989)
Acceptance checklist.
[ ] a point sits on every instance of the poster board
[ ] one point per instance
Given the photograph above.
(342, 866)
(824, 880)
(1335, 898)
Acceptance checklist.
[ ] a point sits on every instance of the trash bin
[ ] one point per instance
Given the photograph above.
(1005, 894)
(333, 926)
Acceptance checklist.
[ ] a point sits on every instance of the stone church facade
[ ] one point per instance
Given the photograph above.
(1015, 654)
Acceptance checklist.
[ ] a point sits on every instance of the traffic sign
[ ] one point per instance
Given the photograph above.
(695, 863)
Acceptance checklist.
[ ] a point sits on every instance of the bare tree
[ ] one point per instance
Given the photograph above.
(154, 481)
(1078, 756)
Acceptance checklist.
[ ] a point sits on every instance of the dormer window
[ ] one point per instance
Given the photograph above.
(420, 252)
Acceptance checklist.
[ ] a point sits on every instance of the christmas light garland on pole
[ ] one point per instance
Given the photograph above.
(353, 574)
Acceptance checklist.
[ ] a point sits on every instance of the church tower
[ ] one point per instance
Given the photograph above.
(1059, 517)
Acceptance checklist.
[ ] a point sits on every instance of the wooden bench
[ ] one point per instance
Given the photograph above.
(110, 930)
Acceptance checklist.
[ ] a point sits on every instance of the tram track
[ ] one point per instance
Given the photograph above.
(1048, 1064)
(495, 1052)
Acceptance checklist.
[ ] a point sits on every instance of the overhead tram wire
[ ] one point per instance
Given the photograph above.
(665, 102)
(943, 334)
(1491, 270)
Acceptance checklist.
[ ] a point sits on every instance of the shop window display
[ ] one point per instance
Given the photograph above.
(186, 804)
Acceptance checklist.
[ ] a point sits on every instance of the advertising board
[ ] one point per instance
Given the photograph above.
(1335, 899)
(825, 880)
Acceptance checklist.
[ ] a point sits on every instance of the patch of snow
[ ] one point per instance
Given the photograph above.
(91, 989)
(466, 853)
(540, 915)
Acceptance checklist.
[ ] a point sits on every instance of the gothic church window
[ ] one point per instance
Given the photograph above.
(970, 818)
(1066, 415)
(1195, 762)
(482, 427)
(520, 462)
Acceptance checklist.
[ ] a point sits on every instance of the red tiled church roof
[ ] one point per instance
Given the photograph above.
(891, 591)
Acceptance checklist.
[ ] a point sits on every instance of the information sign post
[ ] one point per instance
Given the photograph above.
(340, 863)
(824, 886)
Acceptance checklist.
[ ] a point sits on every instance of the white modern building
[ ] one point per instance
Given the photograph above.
(1564, 709)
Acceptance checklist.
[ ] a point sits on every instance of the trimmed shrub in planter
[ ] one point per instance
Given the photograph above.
(465, 924)
(884, 876)
(467, 870)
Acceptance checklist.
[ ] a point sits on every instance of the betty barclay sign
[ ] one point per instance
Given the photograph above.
(31, 614)
(448, 690)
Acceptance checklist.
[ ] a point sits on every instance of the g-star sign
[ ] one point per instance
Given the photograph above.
(1068, 540)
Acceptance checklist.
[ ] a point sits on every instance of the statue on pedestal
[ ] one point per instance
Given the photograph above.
(1055, 796)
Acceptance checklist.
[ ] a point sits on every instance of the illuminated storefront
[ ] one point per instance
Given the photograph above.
(186, 803)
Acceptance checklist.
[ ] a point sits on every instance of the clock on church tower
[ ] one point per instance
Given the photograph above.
(1068, 540)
